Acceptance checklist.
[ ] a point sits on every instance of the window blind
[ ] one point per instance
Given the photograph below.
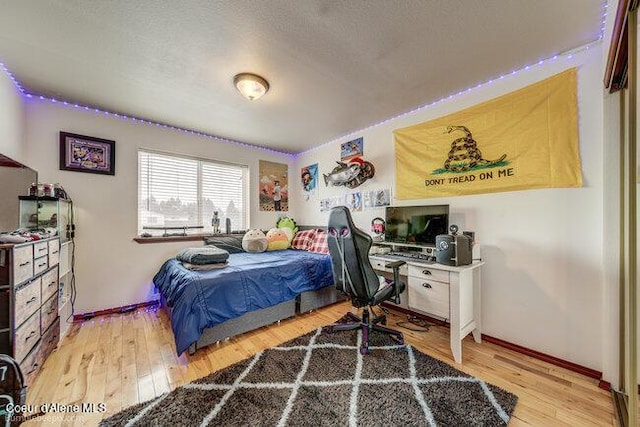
(179, 191)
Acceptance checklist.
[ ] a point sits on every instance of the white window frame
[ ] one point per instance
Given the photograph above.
(201, 220)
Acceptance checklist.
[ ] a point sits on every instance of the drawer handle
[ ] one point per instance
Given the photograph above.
(42, 249)
(426, 272)
(42, 264)
(51, 311)
(35, 368)
(54, 252)
(426, 285)
(30, 336)
(51, 284)
(33, 299)
(24, 263)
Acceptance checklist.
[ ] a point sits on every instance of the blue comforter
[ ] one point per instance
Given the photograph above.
(251, 281)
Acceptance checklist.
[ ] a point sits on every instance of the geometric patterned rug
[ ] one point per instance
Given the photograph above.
(322, 379)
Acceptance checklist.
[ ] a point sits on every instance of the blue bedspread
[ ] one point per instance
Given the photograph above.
(201, 299)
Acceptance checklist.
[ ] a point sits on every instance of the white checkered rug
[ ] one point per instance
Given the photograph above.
(322, 379)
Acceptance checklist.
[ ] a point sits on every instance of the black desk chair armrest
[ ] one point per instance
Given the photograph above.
(397, 285)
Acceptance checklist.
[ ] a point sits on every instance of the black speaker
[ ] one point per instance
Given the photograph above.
(453, 249)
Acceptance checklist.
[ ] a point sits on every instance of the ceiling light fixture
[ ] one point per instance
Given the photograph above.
(251, 86)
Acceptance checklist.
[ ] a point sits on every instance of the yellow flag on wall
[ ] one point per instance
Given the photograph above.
(523, 140)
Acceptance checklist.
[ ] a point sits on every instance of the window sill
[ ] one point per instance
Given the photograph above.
(188, 238)
(167, 239)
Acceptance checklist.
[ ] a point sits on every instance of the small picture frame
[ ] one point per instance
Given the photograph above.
(81, 153)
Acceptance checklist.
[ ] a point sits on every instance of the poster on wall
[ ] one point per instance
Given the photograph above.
(274, 193)
(523, 140)
(376, 198)
(351, 149)
(309, 180)
(353, 201)
(330, 202)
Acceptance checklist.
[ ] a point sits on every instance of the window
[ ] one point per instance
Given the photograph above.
(179, 191)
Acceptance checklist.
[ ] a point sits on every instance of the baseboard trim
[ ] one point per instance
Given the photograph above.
(574, 367)
(605, 385)
(124, 309)
(588, 372)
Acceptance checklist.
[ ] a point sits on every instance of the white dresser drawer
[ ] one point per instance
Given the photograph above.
(49, 283)
(27, 336)
(429, 273)
(429, 296)
(48, 313)
(54, 252)
(40, 249)
(27, 301)
(40, 265)
(22, 264)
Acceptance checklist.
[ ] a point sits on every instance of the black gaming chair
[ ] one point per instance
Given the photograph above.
(353, 274)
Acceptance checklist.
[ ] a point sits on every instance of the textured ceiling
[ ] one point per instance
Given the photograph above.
(334, 66)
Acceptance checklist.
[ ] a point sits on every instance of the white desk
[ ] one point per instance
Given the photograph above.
(442, 291)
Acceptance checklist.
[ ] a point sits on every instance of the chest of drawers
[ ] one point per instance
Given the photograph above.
(29, 324)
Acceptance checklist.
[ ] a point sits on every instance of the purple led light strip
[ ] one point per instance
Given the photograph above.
(28, 95)
(568, 55)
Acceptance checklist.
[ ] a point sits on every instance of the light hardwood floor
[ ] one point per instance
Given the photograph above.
(124, 359)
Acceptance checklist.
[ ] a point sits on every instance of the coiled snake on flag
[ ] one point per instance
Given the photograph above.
(465, 152)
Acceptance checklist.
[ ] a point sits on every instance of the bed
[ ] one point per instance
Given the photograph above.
(254, 290)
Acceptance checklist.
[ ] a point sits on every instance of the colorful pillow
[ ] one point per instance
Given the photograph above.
(277, 240)
(288, 225)
(254, 241)
(320, 244)
(303, 239)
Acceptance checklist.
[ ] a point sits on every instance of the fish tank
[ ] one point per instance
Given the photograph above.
(50, 212)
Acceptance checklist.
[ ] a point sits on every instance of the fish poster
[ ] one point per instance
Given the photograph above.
(351, 149)
(309, 180)
(274, 191)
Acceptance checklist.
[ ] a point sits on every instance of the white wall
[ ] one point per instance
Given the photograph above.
(111, 269)
(12, 120)
(543, 279)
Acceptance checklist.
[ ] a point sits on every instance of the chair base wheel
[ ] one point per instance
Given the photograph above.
(364, 351)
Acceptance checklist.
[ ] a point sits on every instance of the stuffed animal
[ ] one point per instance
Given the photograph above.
(288, 225)
(254, 241)
(277, 239)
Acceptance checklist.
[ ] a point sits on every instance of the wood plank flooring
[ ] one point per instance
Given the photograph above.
(123, 359)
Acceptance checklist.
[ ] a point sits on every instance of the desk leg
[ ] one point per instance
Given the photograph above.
(477, 305)
(454, 325)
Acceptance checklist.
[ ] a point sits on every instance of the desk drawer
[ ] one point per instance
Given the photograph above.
(49, 283)
(429, 273)
(40, 249)
(54, 252)
(27, 301)
(22, 264)
(429, 296)
(27, 336)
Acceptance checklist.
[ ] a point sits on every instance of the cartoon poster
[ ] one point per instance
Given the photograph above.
(376, 198)
(274, 192)
(353, 201)
(351, 149)
(309, 180)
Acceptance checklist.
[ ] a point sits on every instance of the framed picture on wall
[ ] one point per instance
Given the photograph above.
(80, 153)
